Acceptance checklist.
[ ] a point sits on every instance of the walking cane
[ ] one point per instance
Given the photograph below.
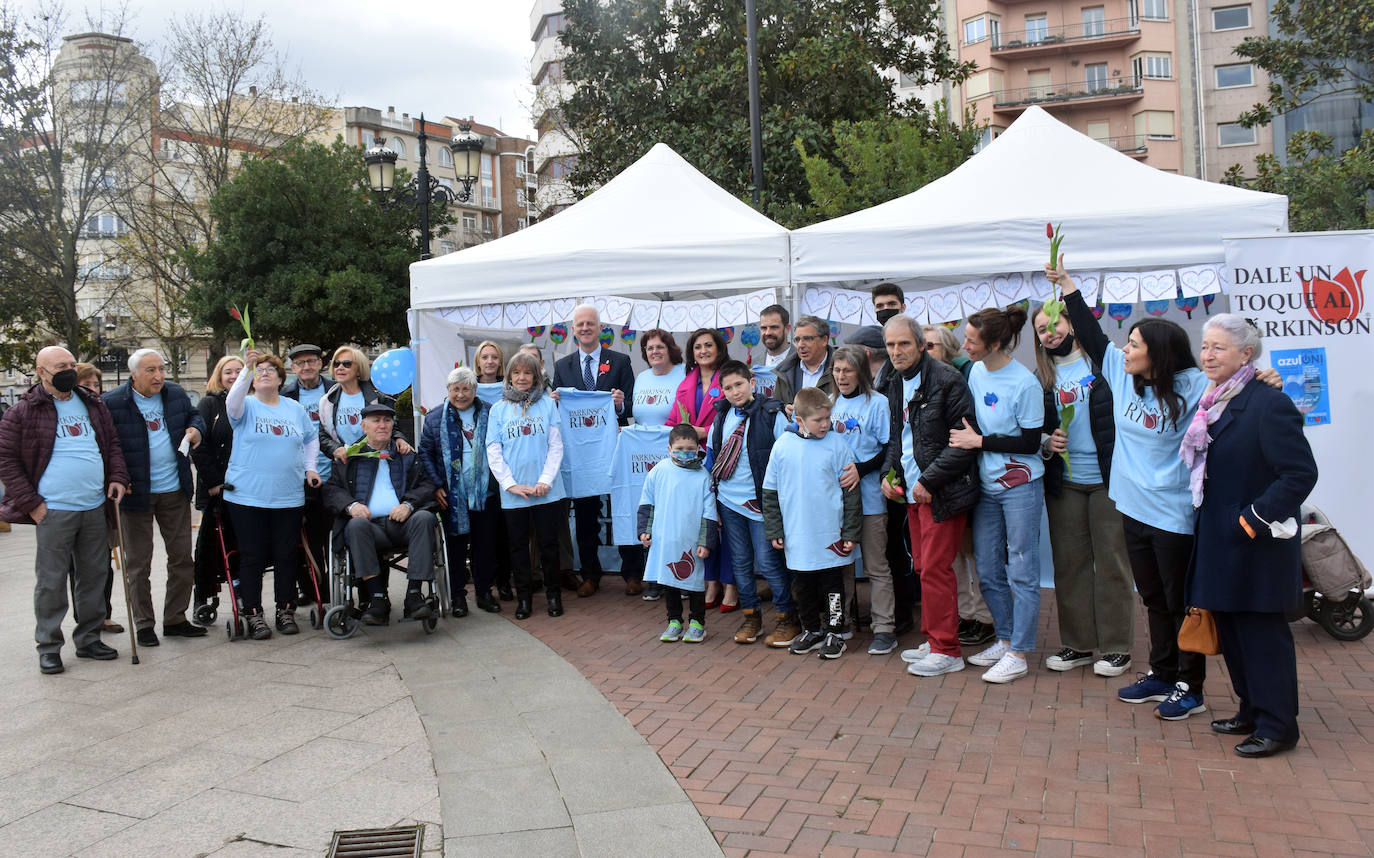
(124, 572)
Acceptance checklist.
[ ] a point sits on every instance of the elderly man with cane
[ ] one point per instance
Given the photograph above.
(59, 460)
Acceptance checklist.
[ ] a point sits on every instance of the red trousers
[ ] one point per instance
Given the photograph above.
(933, 547)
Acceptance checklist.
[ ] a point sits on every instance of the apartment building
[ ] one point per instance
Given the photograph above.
(1229, 84)
(500, 202)
(556, 153)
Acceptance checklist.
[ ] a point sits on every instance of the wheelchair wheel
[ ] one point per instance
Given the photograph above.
(234, 629)
(205, 615)
(316, 618)
(1349, 619)
(340, 623)
(431, 622)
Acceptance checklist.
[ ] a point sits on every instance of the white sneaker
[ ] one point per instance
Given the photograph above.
(1007, 668)
(935, 664)
(911, 656)
(1112, 664)
(991, 655)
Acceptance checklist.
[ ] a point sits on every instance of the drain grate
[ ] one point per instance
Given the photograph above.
(378, 843)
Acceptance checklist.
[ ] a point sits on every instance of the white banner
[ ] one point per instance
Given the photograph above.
(1306, 293)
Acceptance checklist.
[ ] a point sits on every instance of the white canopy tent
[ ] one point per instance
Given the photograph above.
(989, 216)
(659, 231)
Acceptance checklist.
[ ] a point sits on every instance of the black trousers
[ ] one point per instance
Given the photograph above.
(479, 547)
(209, 554)
(587, 511)
(696, 603)
(1159, 564)
(269, 538)
(820, 599)
(1259, 654)
(543, 519)
(318, 522)
(906, 583)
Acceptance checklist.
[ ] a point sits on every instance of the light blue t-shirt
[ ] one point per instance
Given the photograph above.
(637, 450)
(911, 472)
(383, 499)
(1072, 386)
(737, 493)
(74, 480)
(523, 441)
(805, 472)
(1149, 480)
(490, 392)
(162, 459)
(266, 466)
(1005, 402)
(588, 428)
(348, 419)
(681, 498)
(765, 382)
(864, 424)
(310, 401)
(654, 395)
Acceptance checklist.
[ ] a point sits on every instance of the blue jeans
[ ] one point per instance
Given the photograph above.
(749, 550)
(1006, 550)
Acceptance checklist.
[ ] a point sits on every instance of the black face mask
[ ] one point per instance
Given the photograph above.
(884, 315)
(1063, 348)
(64, 381)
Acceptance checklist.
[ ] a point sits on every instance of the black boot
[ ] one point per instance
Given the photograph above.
(522, 606)
(555, 598)
(487, 602)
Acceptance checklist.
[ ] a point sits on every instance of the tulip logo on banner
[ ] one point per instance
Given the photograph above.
(1339, 299)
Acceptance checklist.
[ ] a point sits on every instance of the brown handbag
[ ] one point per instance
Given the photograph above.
(1199, 632)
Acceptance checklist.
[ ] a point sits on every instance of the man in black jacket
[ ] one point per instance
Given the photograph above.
(592, 367)
(382, 500)
(926, 399)
(152, 416)
(308, 388)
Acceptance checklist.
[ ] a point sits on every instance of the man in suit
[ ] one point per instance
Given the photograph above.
(591, 367)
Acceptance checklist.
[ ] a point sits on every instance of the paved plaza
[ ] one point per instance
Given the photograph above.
(585, 736)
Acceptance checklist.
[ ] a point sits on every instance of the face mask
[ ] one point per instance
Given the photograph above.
(64, 381)
(685, 458)
(884, 315)
(1063, 348)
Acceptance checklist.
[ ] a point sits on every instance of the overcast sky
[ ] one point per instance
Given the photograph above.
(443, 57)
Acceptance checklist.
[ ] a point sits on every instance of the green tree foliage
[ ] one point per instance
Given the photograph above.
(1322, 46)
(877, 160)
(1325, 190)
(647, 71)
(304, 243)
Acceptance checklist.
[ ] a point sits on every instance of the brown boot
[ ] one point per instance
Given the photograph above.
(750, 628)
(587, 588)
(784, 632)
(634, 587)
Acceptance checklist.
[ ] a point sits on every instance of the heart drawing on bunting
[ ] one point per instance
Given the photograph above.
(644, 315)
(702, 313)
(617, 310)
(1157, 286)
(470, 315)
(1199, 280)
(539, 312)
(817, 300)
(730, 311)
(848, 307)
(517, 315)
(563, 309)
(944, 305)
(599, 302)
(758, 301)
(917, 307)
(673, 316)
(976, 296)
(1009, 288)
(492, 315)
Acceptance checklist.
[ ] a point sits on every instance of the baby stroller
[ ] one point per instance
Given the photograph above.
(344, 616)
(1334, 580)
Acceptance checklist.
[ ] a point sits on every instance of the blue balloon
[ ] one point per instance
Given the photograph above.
(394, 371)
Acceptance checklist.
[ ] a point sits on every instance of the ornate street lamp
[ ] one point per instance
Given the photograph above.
(467, 162)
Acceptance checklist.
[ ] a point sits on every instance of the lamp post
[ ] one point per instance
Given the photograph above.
(424, 188)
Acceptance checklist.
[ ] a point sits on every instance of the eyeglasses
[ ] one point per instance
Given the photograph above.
(343, 363)
(925, 347)
(807, 339)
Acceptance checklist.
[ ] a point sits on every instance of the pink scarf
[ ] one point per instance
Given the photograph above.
(1193, 450)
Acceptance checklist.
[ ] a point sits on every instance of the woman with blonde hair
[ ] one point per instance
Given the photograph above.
(341, 409)
(489, 362)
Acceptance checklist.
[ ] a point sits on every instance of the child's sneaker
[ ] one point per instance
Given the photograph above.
(696, 632)
(1007, 668)
(911, 656)
(784, 632)
(750, 628)
(991, 655)
(935, 664)
(883, 643)
(1068, 658)
(673, 633)
(806, 642)
(833, 647)
(1181, 703)
(1148, 689)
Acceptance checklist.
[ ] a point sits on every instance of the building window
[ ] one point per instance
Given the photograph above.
(1154, 10)
(1241, 74)
(1095, 77)
(103, 226)
(1152, 67)
(398, 146)
(488, 225)
(469, 222)
(445, 183)
(1231, 17)
(1037, 28)
(521, 223)
(1094, 22)
(1235, 134)
(975, 30)
(520, 196)
(1039, 84)
(445, 157)
(1156, 124)
(520, 166)
(447, 247)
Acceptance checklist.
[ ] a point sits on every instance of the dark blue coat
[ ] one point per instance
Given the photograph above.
(1258, 457)
(178, 415)
(432, 457)
(352, 484)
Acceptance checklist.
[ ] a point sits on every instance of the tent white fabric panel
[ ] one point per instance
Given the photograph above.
(658, 227)
(989, 215)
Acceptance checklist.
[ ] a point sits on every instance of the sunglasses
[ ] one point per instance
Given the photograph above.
(343, 363)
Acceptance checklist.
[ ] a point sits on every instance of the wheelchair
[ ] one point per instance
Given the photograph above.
(345, 614)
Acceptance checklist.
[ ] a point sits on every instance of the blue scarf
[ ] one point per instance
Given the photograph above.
(467, 483)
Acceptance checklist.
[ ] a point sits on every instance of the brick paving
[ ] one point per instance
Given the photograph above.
(789, 755)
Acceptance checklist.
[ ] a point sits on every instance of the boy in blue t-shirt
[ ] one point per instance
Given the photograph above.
(812, 520)
(677, 524)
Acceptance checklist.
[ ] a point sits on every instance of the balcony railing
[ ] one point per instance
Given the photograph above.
(1130, 144)
(1069, 91)
(1044, 37)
